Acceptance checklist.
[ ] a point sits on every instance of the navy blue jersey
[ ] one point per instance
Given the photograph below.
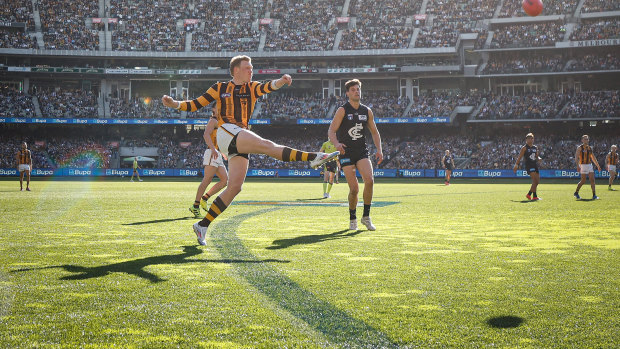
(448, 161)
(530, 156)
(352, 129)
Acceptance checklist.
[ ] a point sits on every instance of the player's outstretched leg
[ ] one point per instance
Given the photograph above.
(249, 142)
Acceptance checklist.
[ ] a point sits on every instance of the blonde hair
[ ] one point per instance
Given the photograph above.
(236, 61)
(529, 135)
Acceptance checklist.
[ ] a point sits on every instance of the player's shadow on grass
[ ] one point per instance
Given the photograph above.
(311, 239)
(160, 221)
(136, 266)
(505, 321)
(523, 201)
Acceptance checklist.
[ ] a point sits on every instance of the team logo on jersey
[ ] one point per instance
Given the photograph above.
(350, 117)
(533, 156)
(225, 95)
(355, 131)
(363, 117)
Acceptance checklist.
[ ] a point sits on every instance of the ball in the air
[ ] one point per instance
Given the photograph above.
(532, 7)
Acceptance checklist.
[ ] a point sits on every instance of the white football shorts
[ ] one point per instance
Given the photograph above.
(612, 168)
(207, 160)
(586, 168)
(24, 167)
(225, 135)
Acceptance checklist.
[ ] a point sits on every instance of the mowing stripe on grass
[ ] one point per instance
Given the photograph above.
(6, 295)
(335, 324)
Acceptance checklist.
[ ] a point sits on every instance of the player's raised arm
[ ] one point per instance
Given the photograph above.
(521, 153)
(333, 127)
(194, 104)
(376, 137)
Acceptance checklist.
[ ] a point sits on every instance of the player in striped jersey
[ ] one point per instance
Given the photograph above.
(611, 160)
(235, 100)
(24, 166)
(584, 156)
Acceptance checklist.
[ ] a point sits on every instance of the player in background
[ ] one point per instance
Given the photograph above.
(346, 132)
(448, 164)
(584, 157)
(235, 101)
(330, 169)
(212, 165)
(611, 161)
(529, 152)
(24, 166)
(135, 169)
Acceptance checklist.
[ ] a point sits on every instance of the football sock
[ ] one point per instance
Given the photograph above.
(329, 188)
(196, 204)
(217, 207)
(366, 210)
(352, 214)
(535, 195)
(324, 187)
(290, 154)
(530, 193)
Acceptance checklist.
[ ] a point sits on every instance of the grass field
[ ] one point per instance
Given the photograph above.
(109, 263)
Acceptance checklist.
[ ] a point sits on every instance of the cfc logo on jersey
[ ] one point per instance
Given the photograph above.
(533, 156)
(355, 131)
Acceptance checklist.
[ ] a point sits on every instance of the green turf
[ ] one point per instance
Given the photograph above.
(109, 263)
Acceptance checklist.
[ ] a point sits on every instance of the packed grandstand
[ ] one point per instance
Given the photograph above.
(469, 76)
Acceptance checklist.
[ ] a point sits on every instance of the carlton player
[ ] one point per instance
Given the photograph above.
(346, 132)
(529, 152)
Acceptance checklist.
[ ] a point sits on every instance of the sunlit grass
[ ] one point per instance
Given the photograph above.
(100, 264)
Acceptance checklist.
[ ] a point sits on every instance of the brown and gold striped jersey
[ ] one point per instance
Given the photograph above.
(24, 157)
(612, 158)
(234, 103)
(585, 154)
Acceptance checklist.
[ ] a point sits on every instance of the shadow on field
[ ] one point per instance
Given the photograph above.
(524, 201)
(505, 321)
(136, 266)
(161, 221)
(311, 239)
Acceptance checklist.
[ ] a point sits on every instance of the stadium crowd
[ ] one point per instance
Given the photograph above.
(533, 105)
(142, 108)
(595, 62)
(292, 107)
(15, 103)
(530, 35)
(144, 27)
(600, 6)
(16, 39)
(64, 24)
(551, 7)
(17, 11)
(596, 30)
(525, 64)
(411, 151)
(67, 103)
(303, 26)
(593, 104)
